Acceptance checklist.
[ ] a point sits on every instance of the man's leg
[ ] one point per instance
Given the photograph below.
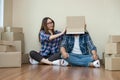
(78, 60)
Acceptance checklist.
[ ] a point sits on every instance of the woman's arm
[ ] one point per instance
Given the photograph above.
(57, 35)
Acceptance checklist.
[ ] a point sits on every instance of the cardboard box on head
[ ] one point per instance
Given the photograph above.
(75, 25)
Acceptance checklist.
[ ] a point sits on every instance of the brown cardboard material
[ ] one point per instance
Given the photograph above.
(1, 30)
(25, 58)
(2, 42)
(16, 44)
(14, 36)
(7, 48)
(10, 59)
(75, 25)
(112, 48)
(11, 36)
(13, 29)
(114, 38)
(112, 63)
(111, 55)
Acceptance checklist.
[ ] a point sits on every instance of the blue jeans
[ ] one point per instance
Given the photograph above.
(79, 59)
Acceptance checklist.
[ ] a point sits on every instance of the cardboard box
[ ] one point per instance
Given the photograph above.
(10, 59)
(112, 63)
(112, 48)
(108, 55)
(13, 29)
(16, 44)
(111, 55)
(7, 48)
(114, 38)
(14, 36)
(1, 30)
(2, 42)
(75, 25)
(25, 58)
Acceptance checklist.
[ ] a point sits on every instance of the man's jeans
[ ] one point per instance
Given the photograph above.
(79, 59)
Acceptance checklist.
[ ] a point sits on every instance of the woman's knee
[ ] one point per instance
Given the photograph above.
(32, 53)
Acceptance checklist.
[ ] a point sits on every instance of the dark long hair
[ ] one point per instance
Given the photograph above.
(44, 26)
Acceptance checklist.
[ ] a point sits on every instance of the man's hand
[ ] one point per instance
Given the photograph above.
(65, 55)
(94, 53)
(95, 57)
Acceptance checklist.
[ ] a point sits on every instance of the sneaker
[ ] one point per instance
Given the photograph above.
(60, 62)
(96, 63)
(32, 61)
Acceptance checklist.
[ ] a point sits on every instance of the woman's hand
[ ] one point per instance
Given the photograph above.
(63, 32)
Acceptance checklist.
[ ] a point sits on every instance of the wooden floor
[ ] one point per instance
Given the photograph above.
(45, 72)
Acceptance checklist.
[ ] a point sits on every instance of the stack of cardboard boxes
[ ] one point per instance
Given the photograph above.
(112, 53)
(12, 47)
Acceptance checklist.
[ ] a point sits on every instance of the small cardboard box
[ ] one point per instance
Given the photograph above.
(112, 63)
(13, 29)
(75, 25)
(7, 48)
(14, 36)
(16, 44)
(25, 58)
(112, 48)
(10, 59)
(114, 38)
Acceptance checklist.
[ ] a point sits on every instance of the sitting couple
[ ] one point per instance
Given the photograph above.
(58, 48)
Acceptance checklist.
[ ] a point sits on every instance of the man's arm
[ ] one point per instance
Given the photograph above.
(92, 47)
(94, 53)
(63, 47)
(64, 53)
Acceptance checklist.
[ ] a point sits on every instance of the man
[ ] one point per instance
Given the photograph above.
(79, 50)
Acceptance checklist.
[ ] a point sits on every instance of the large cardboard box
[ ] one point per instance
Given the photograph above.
(15, 44)
(14, 36)
(112, 48)
(7, 48)
(114, 38)
(108, 55)
(13, 29)
(10, 59)
(112, 63)
(75, 25)
(25, 58)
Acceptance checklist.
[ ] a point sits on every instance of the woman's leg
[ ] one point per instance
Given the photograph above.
(36, 56)
(54, 57)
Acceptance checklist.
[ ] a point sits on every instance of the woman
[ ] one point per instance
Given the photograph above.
(50, 43)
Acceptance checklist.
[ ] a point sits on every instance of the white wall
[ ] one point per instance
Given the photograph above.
(1, 12)
(102, 18)
(7, 21)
